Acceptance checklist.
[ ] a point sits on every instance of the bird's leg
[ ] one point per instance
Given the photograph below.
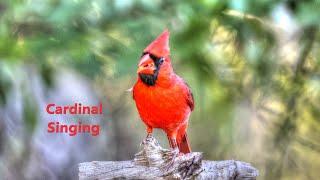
(171, 156)
(149, 135)
(173, 144)
(149, 131)
(172, 137)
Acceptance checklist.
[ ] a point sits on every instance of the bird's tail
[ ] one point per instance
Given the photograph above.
(183, 143)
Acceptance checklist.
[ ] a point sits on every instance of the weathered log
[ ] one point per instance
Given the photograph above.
(154, 162)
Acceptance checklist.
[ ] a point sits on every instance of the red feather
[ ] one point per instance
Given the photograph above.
(168, 103)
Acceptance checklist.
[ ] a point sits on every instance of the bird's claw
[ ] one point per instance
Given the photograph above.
(172, 155)
(147, 139)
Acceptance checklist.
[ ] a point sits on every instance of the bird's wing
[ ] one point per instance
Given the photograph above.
(189, 98)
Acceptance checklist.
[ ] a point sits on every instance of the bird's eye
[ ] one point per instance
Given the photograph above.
(161, 60)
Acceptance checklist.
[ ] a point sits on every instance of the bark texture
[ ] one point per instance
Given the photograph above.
(154, 162)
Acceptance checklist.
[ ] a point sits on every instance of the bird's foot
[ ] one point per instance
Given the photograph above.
(149, 138)
(169, 158)
(151, 153)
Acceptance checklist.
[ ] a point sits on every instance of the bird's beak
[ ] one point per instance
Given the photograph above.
(146, 69)
(146, 65)
(144, 59)
(140, 69)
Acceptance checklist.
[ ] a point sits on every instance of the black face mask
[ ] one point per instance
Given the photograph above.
(150, 79)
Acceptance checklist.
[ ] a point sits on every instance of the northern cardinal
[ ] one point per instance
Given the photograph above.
(163, 99)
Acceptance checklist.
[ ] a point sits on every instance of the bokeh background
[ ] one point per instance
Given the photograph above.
(253, 66)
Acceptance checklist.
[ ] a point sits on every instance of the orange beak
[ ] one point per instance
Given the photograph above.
(146, 65)
(146, 69)
(140, 69)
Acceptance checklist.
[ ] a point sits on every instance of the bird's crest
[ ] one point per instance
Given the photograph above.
(160, 46)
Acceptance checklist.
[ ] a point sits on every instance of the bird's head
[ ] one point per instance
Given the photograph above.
(155, 60)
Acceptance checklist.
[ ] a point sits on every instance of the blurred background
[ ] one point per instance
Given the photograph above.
(253, 66)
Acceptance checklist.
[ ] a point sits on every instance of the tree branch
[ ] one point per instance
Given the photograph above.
(154, 162)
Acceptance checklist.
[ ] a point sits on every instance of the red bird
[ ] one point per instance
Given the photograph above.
(162, 98)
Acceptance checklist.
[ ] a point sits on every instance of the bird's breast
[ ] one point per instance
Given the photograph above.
(160, 107)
